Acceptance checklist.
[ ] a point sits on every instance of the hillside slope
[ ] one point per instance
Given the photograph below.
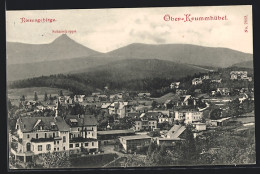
(183, 53)
(60, 49)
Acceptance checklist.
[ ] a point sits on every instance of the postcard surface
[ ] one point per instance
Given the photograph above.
(130, 87)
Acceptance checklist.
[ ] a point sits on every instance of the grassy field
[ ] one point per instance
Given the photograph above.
(29, 92)
(95, 161)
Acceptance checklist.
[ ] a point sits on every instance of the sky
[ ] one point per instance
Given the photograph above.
(105, 30)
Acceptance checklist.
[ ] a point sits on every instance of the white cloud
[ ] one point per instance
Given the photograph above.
(108, 29)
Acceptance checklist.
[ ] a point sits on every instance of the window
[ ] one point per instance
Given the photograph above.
(92, 128)
(54, 149)
(92, 134)
(92, 143)
(88, 132)
(71, 145)
(54, 142)
(58, 142)
(58, 149)
(86, 144)
(36, 135)
(53, 134)
(64, 148)
(64, 139)
(28, 135)
(48, 147)
(78, 129)
(45, 135)
(39, 147)
(77, 145)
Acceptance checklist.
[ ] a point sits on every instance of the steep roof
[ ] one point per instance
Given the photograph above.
(176, 131)
(28, 124)
(82, 120)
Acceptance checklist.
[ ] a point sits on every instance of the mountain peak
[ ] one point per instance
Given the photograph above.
(64, 38)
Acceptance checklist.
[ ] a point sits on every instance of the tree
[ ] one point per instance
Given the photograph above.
(22, 99)
(60, 93)
(189, 146)
(154, 104)
(45, 96)
(35, 96)
(215, 114)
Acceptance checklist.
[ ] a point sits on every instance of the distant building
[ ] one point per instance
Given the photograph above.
(219, 122)
(144, 121)
(119, 108)
(205, 77)
(176, 133)
(144, 95)
(79, 98)
(196, 81)
(175, 85)
(223, 91)
(189, 116)
(199, 126)
(216, 80)
(131, 143)
(181, 91)
(116, 96)
(239, 75)
(165, 118)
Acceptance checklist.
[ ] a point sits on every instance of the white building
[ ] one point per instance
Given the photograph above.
(189, 116)
(36, 135)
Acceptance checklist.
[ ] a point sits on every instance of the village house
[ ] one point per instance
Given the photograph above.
(165, 118)
(216, 80)
(196, 81)
(184, 100)
(36, 135)
(95, 94)
(223, 91)
(65, 100)
(175, 85)
(181, 91)
(131, 143)
(239, 75)
(205, 77)
(83, 133)
(219, 122)
(116, 97)
(79, 98)
(144, 95)
(119, 108)
(199, 126)
(188, 116)
(109, 136)
(242, 97)
(176, 133)
(104, 107)
(144, 121)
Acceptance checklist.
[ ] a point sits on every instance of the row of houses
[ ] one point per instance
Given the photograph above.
(239, 75)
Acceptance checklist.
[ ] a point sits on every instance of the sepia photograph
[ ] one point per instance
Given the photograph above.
(130, 87)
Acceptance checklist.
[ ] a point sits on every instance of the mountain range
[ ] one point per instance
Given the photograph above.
(64, 55)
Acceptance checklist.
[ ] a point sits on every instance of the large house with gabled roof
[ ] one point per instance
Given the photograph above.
(83, 133)
(36, 135)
